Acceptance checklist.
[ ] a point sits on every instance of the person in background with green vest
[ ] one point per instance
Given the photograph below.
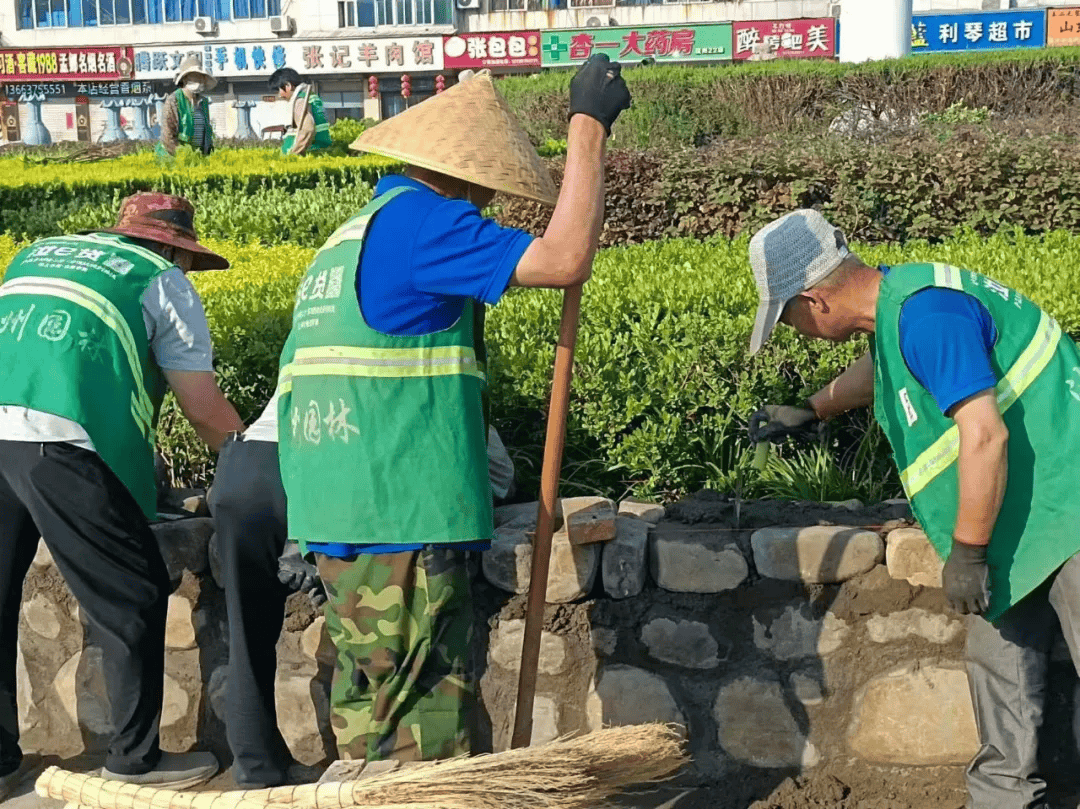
(186, 117)
(309, 130)
(381, 421)
(978, 392)
(93, 329)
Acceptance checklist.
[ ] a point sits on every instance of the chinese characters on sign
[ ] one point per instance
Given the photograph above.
(1062, 27)
(85, 88)
(503, 49)
(71, 64)
(788, 39)
(257, 59)
(677, 44)
(988, 30)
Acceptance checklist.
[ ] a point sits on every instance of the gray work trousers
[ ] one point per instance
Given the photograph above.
(1007, 666)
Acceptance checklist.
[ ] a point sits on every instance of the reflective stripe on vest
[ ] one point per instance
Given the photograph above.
(356, 228)
(380, 362)
(104, 310)
(940, 455)
(947, 276)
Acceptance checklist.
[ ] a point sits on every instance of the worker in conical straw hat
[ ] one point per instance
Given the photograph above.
(381, 423)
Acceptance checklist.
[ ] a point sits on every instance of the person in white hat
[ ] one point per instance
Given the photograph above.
(978, 392)
(186, 117)
(381, 421)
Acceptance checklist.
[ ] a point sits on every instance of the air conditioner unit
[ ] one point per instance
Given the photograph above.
(206, 25)
(598, 22)
(464, 5)
(282, 25)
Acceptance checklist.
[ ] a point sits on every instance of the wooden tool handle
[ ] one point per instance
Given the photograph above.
(545, 522)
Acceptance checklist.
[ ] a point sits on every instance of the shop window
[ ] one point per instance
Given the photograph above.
(375, 13)
(92, 13)
(25, 18)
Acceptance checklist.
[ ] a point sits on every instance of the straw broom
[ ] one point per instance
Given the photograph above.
(576, 773)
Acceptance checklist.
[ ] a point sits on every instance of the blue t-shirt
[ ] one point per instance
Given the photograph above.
(424, 256)
(946, 337)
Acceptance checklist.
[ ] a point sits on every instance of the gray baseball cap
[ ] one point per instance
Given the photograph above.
(789, 256)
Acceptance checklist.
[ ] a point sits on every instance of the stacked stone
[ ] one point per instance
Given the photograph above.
(782, 647)
(63, 705)
(894, 683)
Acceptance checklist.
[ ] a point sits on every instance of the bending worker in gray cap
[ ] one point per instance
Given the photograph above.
(978, 392)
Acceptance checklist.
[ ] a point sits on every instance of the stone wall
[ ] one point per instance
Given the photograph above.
(786, 638)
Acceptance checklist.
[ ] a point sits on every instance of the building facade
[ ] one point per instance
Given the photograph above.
(73, 67)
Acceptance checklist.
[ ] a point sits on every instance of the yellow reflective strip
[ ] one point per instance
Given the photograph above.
(147, 430)
(1032, 361)
(947, 276)
(397, 354)
(355, 230)
(385, 371)
(96, 304)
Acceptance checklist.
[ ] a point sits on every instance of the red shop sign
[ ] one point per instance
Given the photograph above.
(66, 64)
(791, 39)
(494, 49)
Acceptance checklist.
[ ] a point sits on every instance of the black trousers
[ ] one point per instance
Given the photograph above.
(248, 504)
(103, 547)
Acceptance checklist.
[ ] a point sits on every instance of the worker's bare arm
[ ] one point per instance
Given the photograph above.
(204, 405)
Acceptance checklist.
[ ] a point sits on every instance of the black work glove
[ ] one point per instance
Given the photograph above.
(966, 578)
(599, 91)
(294, 572)
(776, 422)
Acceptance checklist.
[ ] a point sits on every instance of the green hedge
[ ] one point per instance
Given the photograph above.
(917, 186)
(663, 386)
(921, 186)
(692, 106)
(36, 198)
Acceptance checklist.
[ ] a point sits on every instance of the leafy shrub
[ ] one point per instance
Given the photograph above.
(691, 106)
(345, 130)
(910, 187)
(34, 198)
(662, 386)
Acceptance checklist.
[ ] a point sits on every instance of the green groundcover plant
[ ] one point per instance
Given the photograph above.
(663, 385)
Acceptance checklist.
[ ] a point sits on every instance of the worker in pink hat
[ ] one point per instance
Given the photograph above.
(93, 329)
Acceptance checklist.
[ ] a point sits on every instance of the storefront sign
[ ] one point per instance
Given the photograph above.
(96, 89)
(56, 64)
(1062, 27)
(501, 49)
(978, 31)
(689, 43)
(788, 39)
(324, 58)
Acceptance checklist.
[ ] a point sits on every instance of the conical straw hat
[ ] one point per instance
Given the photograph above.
(466, 132)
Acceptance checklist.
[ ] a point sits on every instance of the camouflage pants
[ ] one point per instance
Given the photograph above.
(402, 625)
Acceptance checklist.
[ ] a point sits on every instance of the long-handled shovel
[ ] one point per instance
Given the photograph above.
(545, 522)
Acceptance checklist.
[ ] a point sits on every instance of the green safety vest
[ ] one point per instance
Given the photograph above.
(187, 120)
(322, 138)
(1038, 393)
(381, 438)
(73, 343)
